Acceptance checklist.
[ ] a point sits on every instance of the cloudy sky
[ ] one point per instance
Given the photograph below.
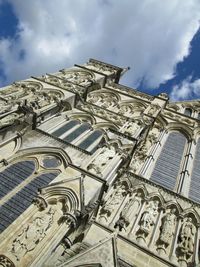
(158, 39)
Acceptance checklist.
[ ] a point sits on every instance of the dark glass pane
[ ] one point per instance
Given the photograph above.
(188, 112)
(77, 132)
(90, 139)
(14, 175)
(168, 163)
(51, 162)
(64, 128)
(194, 192)
(16, 205)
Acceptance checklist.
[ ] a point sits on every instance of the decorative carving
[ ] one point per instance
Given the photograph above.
(168, 227)
(6, 262)
(129, 211)
(186, 245)
(113, 201)
(131, 128)
(147, 220)
(32, 234)
(167, 230)
(78, 76)
(10, 119)
(148, 217)
(40, 202)
(100, 161)
(154, 108)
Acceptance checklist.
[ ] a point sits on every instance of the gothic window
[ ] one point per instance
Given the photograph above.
(18, 203)
(88, 142)
(168, 164)
(194, 192)
(188, 112)
(77, 132)
(14, 175)
(19, 184)
(64, 128)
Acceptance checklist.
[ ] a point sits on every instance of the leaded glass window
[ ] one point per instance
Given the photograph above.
(77, 132)
(168, 164)
(64, 128)
(13, 175)
(18, 203)
(89, 140)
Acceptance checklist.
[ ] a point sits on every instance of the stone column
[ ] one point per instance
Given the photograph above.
(174, 242)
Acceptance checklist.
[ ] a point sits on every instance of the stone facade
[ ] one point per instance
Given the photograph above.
(94, 173)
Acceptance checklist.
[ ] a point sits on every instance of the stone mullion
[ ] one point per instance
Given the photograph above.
(184, 172)
(155, 230)
(174, 242)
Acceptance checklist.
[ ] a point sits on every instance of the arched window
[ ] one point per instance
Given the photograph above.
(194, 192)
(168, 164)
(14, 175)
(188, 112)
(64, 128)
(20, 182)
(89, 143)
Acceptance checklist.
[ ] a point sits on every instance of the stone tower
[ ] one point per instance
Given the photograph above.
(93, 173)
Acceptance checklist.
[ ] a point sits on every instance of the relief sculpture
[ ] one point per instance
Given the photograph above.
(32, 234)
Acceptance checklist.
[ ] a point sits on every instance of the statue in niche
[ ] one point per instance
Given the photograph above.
(187, 237)
(129, 211)
(114, 200)
(168, 227)
(131, 128)
(32, 234)
(149, 217)
(101, 160)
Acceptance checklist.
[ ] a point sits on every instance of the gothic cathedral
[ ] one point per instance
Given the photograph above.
(96, 174)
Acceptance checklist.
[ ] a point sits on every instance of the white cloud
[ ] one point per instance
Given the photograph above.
(149, 36)
(187, 89)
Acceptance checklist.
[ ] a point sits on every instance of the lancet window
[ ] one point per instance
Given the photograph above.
(20, 183)
(81, 134)
(168, 165)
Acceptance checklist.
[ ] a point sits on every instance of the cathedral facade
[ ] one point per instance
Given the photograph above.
(96, 174)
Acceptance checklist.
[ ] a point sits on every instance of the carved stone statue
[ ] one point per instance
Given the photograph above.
(168, 227)
(149, 217)
(131, 128)
(32, 234)
(129, 211)
(187, 237)
(115, 199)
(98, 164)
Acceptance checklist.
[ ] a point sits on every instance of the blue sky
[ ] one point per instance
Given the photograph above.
(159, 40)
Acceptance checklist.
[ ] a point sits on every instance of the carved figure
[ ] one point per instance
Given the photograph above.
(131, 128)
(168, 227)
(187, 237)
(149, 216)
(32, 234)
(101, 160)
(114, 199)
